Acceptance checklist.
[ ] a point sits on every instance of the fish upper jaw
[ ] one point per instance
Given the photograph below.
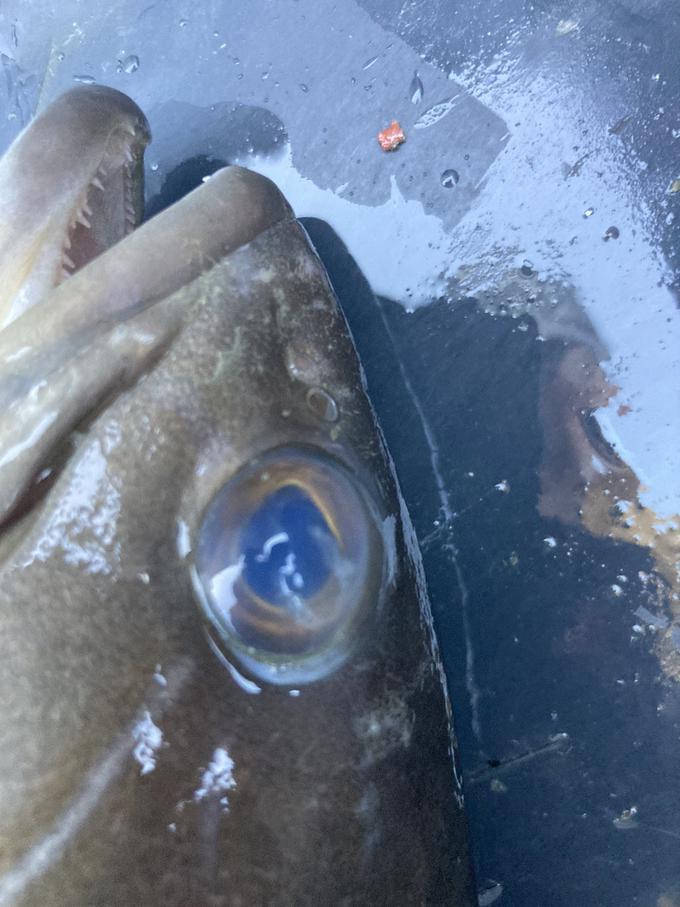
(92, 336)
(72, 186)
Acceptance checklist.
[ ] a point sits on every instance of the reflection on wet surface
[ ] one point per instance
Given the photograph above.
(584, 481)
(569, 721)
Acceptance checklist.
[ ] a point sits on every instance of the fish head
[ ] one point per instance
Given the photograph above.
(217, 676)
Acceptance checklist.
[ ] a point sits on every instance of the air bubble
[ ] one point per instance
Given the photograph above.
(450, 178)
(129, 64)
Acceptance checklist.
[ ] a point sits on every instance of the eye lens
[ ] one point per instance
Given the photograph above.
(289, 565)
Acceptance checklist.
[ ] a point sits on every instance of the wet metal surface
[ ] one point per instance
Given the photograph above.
(530, 401)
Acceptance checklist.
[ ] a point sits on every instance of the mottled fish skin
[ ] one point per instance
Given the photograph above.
(134, 767)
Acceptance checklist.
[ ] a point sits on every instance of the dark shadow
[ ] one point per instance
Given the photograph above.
(183, 179)
(191, 142)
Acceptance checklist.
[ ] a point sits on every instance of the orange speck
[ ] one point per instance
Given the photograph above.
(624, 409)
(392, 137)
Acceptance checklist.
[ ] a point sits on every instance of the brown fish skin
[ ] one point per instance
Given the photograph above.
(134, 768)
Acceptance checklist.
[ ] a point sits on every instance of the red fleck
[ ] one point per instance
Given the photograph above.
(624, 409)
(392, 137)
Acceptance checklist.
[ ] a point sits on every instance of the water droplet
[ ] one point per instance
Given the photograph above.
(416, 89)
(369, 63)
(85, 79)
(620, 125)
(566, 27)
(611, 233)
(450, 178)
(489, 891)
(61, 55)
(129, 64)
(627, 819)
(322, 404)
(589, 212)
(435, 113)
(183, 23)
(304, 87)
(154, 167)
(527, 268)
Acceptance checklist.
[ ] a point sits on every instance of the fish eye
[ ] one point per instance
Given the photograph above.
(289, 565)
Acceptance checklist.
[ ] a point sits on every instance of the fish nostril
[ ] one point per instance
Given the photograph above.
(322, 404)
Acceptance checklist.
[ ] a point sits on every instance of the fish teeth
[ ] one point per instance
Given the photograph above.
(98, 183)
(86, 208)
(67, 260)
(129, 156)
(81, 219)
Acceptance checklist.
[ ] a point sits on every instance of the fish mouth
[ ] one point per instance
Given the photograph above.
(111, 204)
(72, 186)
(88, 303)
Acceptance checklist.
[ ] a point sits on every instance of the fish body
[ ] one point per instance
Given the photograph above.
(193, 708)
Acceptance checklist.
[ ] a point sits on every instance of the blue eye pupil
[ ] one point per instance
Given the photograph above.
(288, 548)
